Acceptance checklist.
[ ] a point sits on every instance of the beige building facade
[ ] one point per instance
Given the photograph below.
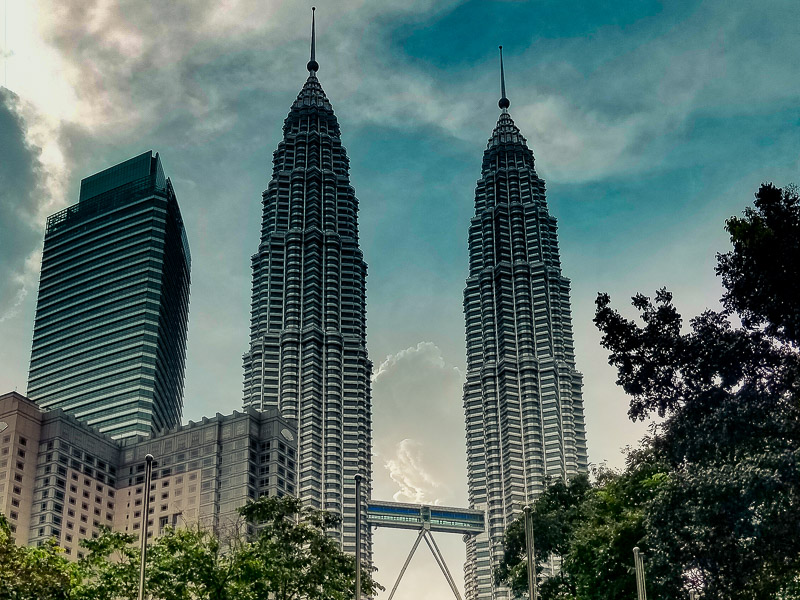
(61, 479)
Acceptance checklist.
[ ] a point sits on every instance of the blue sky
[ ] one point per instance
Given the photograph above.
(651, 123)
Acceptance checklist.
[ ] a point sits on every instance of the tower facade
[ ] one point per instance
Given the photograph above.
(522, 396)
(109, 340)
(308, 354)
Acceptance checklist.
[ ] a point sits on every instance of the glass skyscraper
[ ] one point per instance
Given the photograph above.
(109, 340)
(522, 396)
(307, 354)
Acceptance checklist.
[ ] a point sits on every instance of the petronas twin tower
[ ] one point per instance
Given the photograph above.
(308, 350)
(308, 357)
(522, 397)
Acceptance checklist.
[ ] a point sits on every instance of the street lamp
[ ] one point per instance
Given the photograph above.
(148, 475)
(533, 592)
(358, 536)
(638, 563)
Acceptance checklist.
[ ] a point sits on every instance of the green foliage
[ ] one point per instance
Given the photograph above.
(762, 272)
(192, 564)
(33, 573)
(713, 496)
(727, 519)
(110, 567)
(555, 516)
(290, 557)
(293, 558)
(591, 528)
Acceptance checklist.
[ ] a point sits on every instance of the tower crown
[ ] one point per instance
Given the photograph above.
(312, 94)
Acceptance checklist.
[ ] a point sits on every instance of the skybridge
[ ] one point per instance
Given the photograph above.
(425, 519)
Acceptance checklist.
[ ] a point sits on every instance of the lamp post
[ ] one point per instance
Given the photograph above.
(148, 475)
(638, 563)
(533, 592)
(358, 536)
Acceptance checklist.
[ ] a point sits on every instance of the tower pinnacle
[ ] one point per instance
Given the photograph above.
(504, 103)
(313, 65)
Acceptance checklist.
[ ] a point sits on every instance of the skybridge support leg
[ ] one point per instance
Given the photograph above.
(408, 560)
(437, 555)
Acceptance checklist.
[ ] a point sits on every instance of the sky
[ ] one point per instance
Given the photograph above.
(651, 124)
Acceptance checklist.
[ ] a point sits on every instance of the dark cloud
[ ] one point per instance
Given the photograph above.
(20, 198)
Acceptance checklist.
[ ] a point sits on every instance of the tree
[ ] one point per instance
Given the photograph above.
(194, 564)
(287, 558)
(555, 516)
(591, 528)
(292, 557)
(762, 272)
(727, 519)
(713, 495)
(109, 568)
(33, 573)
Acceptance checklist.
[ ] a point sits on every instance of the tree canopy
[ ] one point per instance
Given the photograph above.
(713, 495)
(289, 557)
(33, 573)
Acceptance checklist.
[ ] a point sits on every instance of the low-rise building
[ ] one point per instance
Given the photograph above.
(60, 478)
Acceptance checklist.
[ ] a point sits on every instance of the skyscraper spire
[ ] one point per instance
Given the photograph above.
(307, 353)
(313, 65)
(523, 393)
(504, 103)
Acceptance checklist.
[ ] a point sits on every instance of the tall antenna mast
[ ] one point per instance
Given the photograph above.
(504, 103)
(313, 65)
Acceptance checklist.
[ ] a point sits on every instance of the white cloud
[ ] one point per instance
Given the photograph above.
(419, 428)
(407, 470)
(420, 457)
